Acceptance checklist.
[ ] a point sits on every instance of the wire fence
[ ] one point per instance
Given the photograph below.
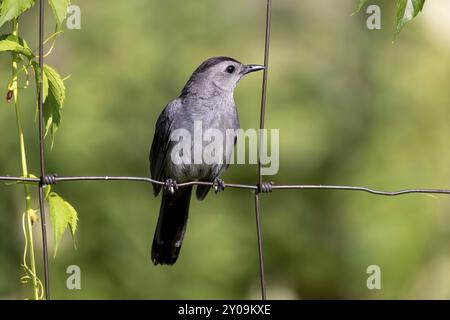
(260, 187)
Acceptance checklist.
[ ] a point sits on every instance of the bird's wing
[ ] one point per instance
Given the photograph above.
(161, 143)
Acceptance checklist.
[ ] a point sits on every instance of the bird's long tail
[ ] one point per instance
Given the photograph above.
(171, 227)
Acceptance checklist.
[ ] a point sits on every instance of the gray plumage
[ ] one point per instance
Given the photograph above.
(207, 97)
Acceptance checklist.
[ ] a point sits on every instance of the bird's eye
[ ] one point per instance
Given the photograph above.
(230, 69)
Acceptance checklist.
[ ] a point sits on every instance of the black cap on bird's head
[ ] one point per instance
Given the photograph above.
(221, 73)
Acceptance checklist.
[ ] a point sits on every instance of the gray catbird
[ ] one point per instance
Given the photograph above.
(207, 98)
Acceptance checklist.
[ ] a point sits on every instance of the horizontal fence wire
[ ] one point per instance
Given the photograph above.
(272, 186)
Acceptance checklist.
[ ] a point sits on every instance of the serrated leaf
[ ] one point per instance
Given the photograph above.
(361, 4)
(12, 43)
(73, 221)
(62, 216)
(59, 8)
(54, 102)
(11, 9)
(406, 11)
(37, 72)
(55, 84)
(44, 87)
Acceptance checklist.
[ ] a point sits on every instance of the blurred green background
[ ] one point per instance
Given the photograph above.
(352, 108)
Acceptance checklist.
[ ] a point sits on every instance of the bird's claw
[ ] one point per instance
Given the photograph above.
(171, 185)
(218, 185)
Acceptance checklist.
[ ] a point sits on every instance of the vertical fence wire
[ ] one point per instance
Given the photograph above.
(261, 137)
(42, 150)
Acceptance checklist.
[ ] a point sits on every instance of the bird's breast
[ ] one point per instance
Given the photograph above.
(209, 132)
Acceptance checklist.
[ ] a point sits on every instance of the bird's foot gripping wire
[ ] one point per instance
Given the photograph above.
(218, 185)
(265, 187)
(171, 185)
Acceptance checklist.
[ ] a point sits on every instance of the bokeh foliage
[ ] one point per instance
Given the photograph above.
(352, 108)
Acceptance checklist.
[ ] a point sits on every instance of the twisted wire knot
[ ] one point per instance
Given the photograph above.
(265, 187)
(49, 179)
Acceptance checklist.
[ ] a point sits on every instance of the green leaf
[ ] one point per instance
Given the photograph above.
(11, 9)
(62, 216)
(361, 4)
(12, 43)
(37, 72)
(44, 87)
(54, 102)
(59, 8)
(406, 11)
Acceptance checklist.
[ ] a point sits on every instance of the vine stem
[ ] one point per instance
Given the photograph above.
(23, 157)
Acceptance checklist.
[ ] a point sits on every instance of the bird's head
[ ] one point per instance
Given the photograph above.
(218, 74)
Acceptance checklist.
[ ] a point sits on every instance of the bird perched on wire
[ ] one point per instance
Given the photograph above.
(206, 99)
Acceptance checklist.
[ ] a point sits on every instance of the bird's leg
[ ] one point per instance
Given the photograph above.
(218, 185)
(171, 185)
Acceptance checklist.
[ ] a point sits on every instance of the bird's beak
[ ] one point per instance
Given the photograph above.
(252, 68)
